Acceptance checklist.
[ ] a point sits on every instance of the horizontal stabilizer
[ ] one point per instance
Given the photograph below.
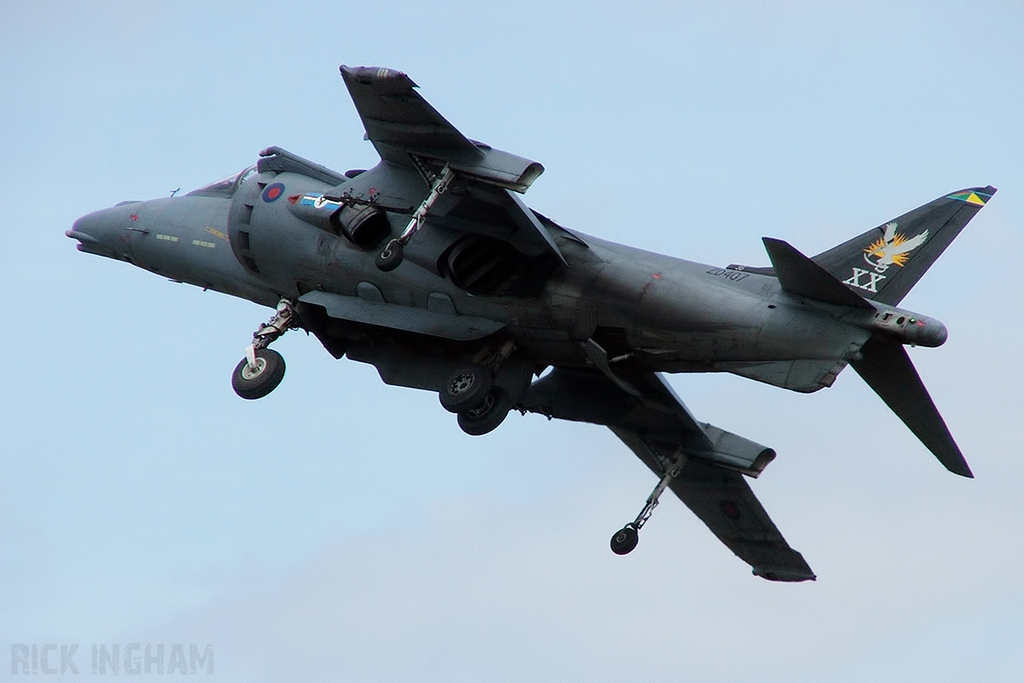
(801, 276)
(887, 369)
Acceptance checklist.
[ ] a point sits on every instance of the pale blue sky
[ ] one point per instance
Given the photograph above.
(341, 529)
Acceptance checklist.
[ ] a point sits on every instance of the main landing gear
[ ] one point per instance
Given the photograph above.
(480, 404)
(626, 538)
(262, 369)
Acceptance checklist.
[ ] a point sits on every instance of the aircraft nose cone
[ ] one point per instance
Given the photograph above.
(99, 231)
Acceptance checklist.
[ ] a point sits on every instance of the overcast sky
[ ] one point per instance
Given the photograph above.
(340, 529)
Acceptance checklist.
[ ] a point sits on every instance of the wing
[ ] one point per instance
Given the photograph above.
(406, 131)
(416, 143)
(643, 411)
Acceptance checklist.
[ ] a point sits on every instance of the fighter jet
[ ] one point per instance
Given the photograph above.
(430, 267)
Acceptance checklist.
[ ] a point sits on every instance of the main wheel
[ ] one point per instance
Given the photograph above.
(625, 539)
(391, 257)
(261, 379)
(465, 389)
(486, 417)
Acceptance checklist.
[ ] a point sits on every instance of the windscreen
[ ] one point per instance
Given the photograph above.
(226, 186)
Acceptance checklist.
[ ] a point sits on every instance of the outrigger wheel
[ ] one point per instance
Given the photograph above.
(391, 257)
(258, 379)
(625, 539)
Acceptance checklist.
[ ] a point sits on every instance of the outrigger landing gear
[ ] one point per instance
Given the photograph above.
(262, 369)
(394, 252)
(626, 538)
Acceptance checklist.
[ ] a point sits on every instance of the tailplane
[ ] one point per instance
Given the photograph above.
(883, 264)
(887, 369)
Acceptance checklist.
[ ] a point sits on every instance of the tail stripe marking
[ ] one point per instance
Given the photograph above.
(976, 198)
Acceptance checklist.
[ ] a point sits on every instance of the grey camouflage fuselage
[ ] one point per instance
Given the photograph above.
(431, 268)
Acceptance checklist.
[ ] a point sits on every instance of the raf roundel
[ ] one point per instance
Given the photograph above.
(273, 192)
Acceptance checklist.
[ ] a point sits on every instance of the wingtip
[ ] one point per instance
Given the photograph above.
(368, 75)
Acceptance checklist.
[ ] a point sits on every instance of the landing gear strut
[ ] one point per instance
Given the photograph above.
(262, 369)
(626, 538)
(394, 252)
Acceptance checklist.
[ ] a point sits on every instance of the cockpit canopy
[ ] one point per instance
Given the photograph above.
(225, 187)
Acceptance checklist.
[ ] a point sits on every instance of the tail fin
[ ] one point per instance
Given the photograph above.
(884, 263)
(887, 369)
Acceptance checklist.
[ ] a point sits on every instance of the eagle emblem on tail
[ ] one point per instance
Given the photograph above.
(892, 248)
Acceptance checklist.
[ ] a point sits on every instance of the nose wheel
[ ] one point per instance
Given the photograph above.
(262, 369)
(626, 538)
(256, 380)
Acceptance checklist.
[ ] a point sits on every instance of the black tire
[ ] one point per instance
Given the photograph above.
(625, 539)
(257, 383)
(391, 257)
(486, 417)
(467, 388)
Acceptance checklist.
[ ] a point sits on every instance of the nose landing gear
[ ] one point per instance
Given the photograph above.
(626, 538)
(262, 369)
(258, 379)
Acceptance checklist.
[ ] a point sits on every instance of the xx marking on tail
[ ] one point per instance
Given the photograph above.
(871, 285)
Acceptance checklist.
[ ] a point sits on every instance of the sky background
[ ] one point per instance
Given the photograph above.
(341, 529)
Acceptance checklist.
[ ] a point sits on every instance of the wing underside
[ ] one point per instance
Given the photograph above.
(643, 411)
